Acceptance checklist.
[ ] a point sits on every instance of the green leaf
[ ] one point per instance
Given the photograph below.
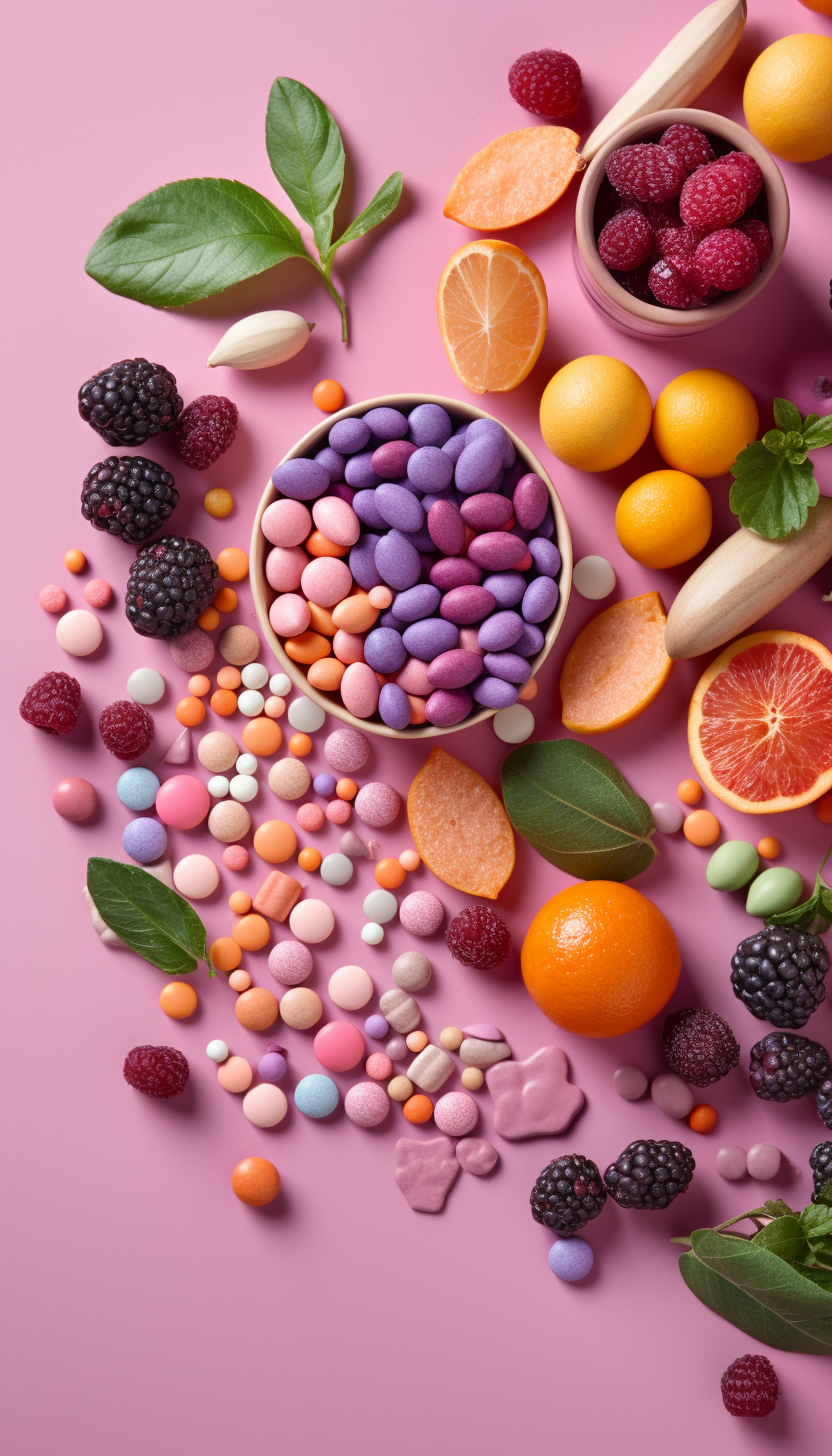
(774, 441)
(821, 1277)
(787, 416)
(306, 153)
(814, 914)
(816, 1221)
(380, 207)
(576, 809)
(771, 494)
(758, 1292)
(191, 239)
(151, 919)
(785, 1237)
(818, 434)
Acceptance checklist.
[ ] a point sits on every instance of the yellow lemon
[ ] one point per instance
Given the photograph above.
(788, 98)
(702, 420)
(595, 413)
(664, 518)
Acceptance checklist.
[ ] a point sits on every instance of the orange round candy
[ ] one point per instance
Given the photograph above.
(75, 561)
(218, 503)
(262, 737)
(320, 545)
(769, 847)
(178, 1000)
(199, 686)
(416, 1041)
(209, 619)
(328, 395)
(232, 564)
(528, 691)
(225, 600)
(310, 860)
(256, 1181)
(417, 710)
(275, 841)
(239, 980)
(239, 902)
(346, 788)
(223, 702)
(418, 1108)
(389, 874)
(300, 744)
(229, 677)
(325, 675)
(823, 808)
(701, 828)
(225, 954)
(190, 711)
(257, 1009)
(689, 791)
(252, 932)
(703, 1118)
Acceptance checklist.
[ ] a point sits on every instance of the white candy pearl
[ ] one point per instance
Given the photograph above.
(668, 818)
(246, 764)
(254, 675)
(251, 703)
(372, 933)
(280, 685)
(218, 786)
(146, 685)
(337, 869)
(306, 716)
(593, 578)
(217, 1051)
(515, 724)
(380, 905)
(243, 788)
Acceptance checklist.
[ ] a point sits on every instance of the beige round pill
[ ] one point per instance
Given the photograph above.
(265, 1105)
(451, 1038)
(217, 752)
(235, 1075)
(301, 1007)
(472, 1079)
(289, 778)
(400, 1088)
(256, 1009)
(239, 645)
(229, 821)
(411, 971)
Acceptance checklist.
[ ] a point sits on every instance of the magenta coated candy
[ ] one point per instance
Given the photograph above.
(486, 512)
(454, 669)
(530, 499)
(384, 650)
(343, 492)
(359, 471)
(671, 1095)
(456, 1114)
(366, 1104)
(493, 692)
(290, 962)
(397, 506)
(430, 469)
(332, 462)
(376, 1026)
(350, 435)
(479, 464)
(455, 571)
(394, 706)
(497, 550)
(499, 631)
(286, 523)
(430, 424)
(386, 423)
(300, 479)
(507, 587)
(466, 604)
(397, 1049)
(417, 602)
(448, 706)
(367, 511)
(398, 561)
(362, 559)
(545, 556)
(377, 805)
(421, 913)
(540, 599)
(483, 1031)
(272, 1066)
(390, 459)
(347, 750)
(428, 638)
(446, 528)
(763, 1161)
(338, 1046)
(509, 666)
(731, 1162)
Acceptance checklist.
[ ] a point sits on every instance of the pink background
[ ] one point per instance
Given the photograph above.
(149, 1309)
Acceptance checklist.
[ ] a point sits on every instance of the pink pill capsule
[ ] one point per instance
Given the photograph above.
(286, 523)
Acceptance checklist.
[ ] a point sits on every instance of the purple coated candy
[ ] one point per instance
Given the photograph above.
(443, 495)
(332, 462)
(376, 1025)
(446, 707)
(424, 544)
(507, 587)
(389, 619)
(430, 424)
(301, 479)
(430, 469)
(454, 447)
(394, 709)
(419, 601)
(359, 471)
(479, 464)
(428, 638)
(362, 560)
(455, 669)
(493, 692)
(540, 599)
(398, 506)
(446, 528)
(500, 630)
(486, 511)
(509, 666)
(343, 492)
(364, 505)
(497, 550)
(530, 500)
(398, 561)
(324, 784)
(491, 427)
(390, 459)
(272, 1066)
(547, 525)
(349, 436)
(530, 641)
(386, 423)
(384, 650)
(454, 571)
(466, 604)
(545, 556)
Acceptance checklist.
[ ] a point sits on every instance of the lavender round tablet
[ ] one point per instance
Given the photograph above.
(479, 464)
(509, 666)
(446, 707)
(486, 511)
(454, 447)
(359, 472)
(455, 669)
(362, 561)
(466, 604)
(507, 587)
(497, 550)
(390, 459)
(540, 599)
(429, 424)
(398, 507)
(398, 561)
(446, 527)
(332, 462)
(300, 479)
(394, 708)
(386, 423)
(530, 499)
(364, 505)
(349, 436)
(376, 1025)
(545, 556)
(530, 641)
(417, 602)
(500, 630)
(423, 543)
(430, 469)
(427, 638)
(493, 692)
(455, 571)
(491, 427)
(324, 784)
(413, 677)
(384, 650)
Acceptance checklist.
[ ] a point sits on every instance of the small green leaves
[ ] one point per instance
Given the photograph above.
(306, 153)
(787, 416)
(774, 484)
(377, 209)
(152, 920)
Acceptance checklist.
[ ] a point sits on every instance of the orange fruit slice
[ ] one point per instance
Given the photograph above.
(460, 827)
(600, 959)
(515, 177)
(493, 312)
(760, 723)
(616, 666)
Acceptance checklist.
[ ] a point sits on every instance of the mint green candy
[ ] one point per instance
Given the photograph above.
(774, 890)
(732, 865)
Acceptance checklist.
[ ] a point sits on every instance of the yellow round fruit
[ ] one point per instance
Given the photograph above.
(595, 413)
(702, 420)
(787, 98)
(664, 518)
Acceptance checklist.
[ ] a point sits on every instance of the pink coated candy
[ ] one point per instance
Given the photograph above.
(289, 614)
(488, 512)
(326, 581)
(530, 501)
(456, 1114)
(731, 1162)
(290, 962)
(336, 520)
(671, 1095)
(483, 1031)
(339, 1046)
(98, 593)
(52, 598)
(366, 1104)
(389, 461)
(74, 799)
(377, 804)
(413, 677)
(380, 597)
(285, 566)
(448, 706)
(476, 1156)
(630, 1083)
(360, 690)
(347, 750)
(235, 857)
(421, 913)
(454, 571)
(182, 802)
(378, 1066)
(339, 811)
(497, 550)
(763, 1161)
(454, 669)
(466, 604)
(469, 640)
(348, 646)
(286, 522)
(310, 817)
(79, 632)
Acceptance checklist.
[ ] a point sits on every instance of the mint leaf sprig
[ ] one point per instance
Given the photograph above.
(774, 484)
(814, 914)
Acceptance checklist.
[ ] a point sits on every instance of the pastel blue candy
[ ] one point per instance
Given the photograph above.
(430, 424)
(301, 479)
(376, 1025)
(571, 1259)
(362, 561)
(144, 840)
(530, 642)
(399, 507)
(417, 602)
(479, 465)
(540, 599)
(509, 666)
(499, 631)
(316, 1095)
(428, 638)
(384, 650)
(394, 709)
(507, 587)
(324, 784)
(349, 436)
(364, 505)
(545, 555)
(332, 462)
(421, 539)
(454, 447)
(137, 788)
(272, 1066)
(397, 560)
(386, 423)
(359, 471)
(430, 469)
(493, 692)
(491, 427)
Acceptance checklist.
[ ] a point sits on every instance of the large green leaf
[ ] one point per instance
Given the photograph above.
(191, 239)
(377, 209)
(151, 919)
(772, 494)
(758, 1292)
(306, 153)
(784, 1237)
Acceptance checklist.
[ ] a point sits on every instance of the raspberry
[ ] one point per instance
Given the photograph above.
(699, 1046)
(626, 241)
(206, 429)
(750, 1386)
(547, 83)
(662, 214)
(637, 282)
(673, 240)
(689, 143)
(52, 703)
(700, 289)
(646, 171)
(669, 287)
(712, 198)
(755, 229)
(727, 259)
(477, 937)
(749, 171)
(126, 729)
(157, 1071)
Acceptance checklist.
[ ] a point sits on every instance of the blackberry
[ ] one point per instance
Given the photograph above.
(157, 1071)
(130, 402)
(820, 1162)
(649, 1175)
(128, 496)
(52, 703)
(568, 1193)
(779, 975)
(206, 429)
(784, 1066)
(699, 1046)
(171, 582)
(750, 1386)
(823, 1097)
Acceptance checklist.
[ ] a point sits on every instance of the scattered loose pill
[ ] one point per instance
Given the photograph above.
(380, 906)
(571, 1259)
(328, 396)
(225, 954)
(703, 1118)
(701, 828)
(178, 1000)
(472, 1079)
(252, 932)
(514, 724)
(217, 1050)
(196, 876)
(630, 1083)
(146, 686)
(409, 860)
(225, 600)
(301, 1008)
(280, 684)
(372, 933)
(79, 632)
(256, 1181)
(239, 980)
(235, 857)
(218, 503)
(275, 841)
(305, 715)
(421, 912)
(217, 751)
(337, 869)
(396, 1048)
(338, 812)
(671, 1095)
(451, 1038)
(243, 788)
(209, 619)
(400, 1088)
(251, 703)
(416, 1041)
(376, 1026)
(312, 921)
(246, 764)
(310, 859)
(218, 786)
(311, 817)
(190, 712)
(75, 561)
(232, 564)
(389, 873)
(229, 822)
(75, 799)
(239, 902)
(52, 598)
(731, 1162)
(346, 789)
(379, 1066)
(98, 593)
(300, 744)
(316, 1095)
(235, 1074)
(289, 779)
(418, 1109)
(223, 703)
(689, 791)
(265, 1105)
(274, 707)
(272, 1066)
(256, 1009)
(668, 818)
(262, 736)
(229, 677)
(350, 988)
(339, 1046)
(199, 686)
(763, 1161)
(593, 578)
(768, 848)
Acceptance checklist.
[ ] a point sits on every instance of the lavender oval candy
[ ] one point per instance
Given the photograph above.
(509, 666)
(486, 511)
(398, 561)
(454, 571)
(547, 525)
(389, 619)
(362, 561)
(429, 469)
(384, 650)
(540, 599)
(429, 424)
(466, 604)
(399, 507)
(454, 447)
(431, 636)
(507, 587)
(512, 476)
(545, 555)
(417, 602)
(479, 464)
(386, 423)
(530, 641)
(492, 427)
(359, 472)
(443, 495)
(300, 479)
(500, 630)
(448, 706)
(494, 692)
(332, 462)
(394, 706)
(423, 542)
(446, 528)
(530, 499)
(497, 550)
(349, 436)
(390, 459)
(454, 669)
(364, 505)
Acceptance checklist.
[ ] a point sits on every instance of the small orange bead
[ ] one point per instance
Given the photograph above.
(252, 932)
(416, 1041)
(275, 707)
(768, 848)
(224, 703)
(232, 564)
(209, 619)
(225, 954)
(528, 691)
(239, 980)
(226, 599)
(689, 791)
(262, 737)
(389, 874)
(346, 789)
(701, 828)
(310, 860)
(199, 686)
(418, 1108)
(823, 807)
(703, 1118)
(229, 677)
(239, 902)
(178, 1000)
(190, 711)
(320, 545)
(409, 859)
(75, 561)
(300, 744)
(255, 1181)
(328, 395)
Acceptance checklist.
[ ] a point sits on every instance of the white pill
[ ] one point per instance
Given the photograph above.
(265, 1105)
(372, 933)
(280, 685)
(593, 577)
(243, 788)
(336, 869)
(251, 703)
(218, 786)
(380, 905)
(254, 675)
(515, 724)
(305, 715)
(668, 818)
(217, 1051)
(246, 764)
(79, 632)
(146, 685)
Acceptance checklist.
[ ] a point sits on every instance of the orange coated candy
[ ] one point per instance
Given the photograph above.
(233, 564)
(326, 674)
(225, 600)
(389, 874)
(178, 1000)
(310, 860)
(689, 791)
(190, 712)
(320, 545)
(417, 710)
(256, 1181)
(307, 647)
(418, 1108)
(209, 619)
(320, 620)
(257, 1009)
(199, 686)
(239, 902)
(528, 691)
(300, 744)
(356, 613)
(225, 954)
(275, 841)
(223, 702)
(769, 847)
(75, 561)
(346, 789)
(239, 980)
(328, 395)
(229, 677)
(252, 932)
(262, 736)
(703, 1118)
(701, 828)
(416, 1041)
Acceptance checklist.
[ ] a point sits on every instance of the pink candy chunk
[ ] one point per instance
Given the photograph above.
(326, 581)
(533, 1098)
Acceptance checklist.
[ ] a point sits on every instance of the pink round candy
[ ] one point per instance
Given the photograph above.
(339, 1046)
(378, 1066)
(274, 707)
(377, 804)
(413, 677)
(731, 1162)
(310, 817)
(448, 706)
(290, 962)
(284, 567)
(79, 632)
(286, 522)
(348, 647)
(74, 799)
(456, 1114)
(530, 501)
(366, 1104)
(671, 1095)
(326, 580)
(763, 1161)
(182, 802)
(360, 690)
(196, 876)
(289, 614)
(630, 1083)
(347, 750)
(54, 598)
(339, 811)
(98, 593)
(336, 520)
(235, 857)
(380, 597)
(396, 1048)
(421, 913)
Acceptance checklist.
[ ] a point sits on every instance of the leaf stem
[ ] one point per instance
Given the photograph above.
(333, 292)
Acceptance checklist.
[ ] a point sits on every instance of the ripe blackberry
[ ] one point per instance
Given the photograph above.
(206, 429)
(130, 402)
(689, 143)
(52, 703)
(568, 1193)
(547, 83)
(749, 1386)
(649, 1175)
(626, 241)
(727, 259)
(778, 974)
(699, 1046)
(477, 937)
(171, 582)
(820, 1162)
(128, 496)
(823, 1098)
(126, 728)
(784, 1066)
(157, 1071)
(645, 171)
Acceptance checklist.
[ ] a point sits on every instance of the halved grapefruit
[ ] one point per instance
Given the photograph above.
(760, 723)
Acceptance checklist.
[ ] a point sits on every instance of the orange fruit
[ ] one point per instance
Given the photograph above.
(517, 176)
(664, 518)
(702, 420)
(600, 959)
(493, 311)
(460, 827)
(760, 723)
(595, 413)
(616, 666)
(787, 97)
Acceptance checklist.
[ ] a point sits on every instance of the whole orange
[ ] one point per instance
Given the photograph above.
(600, 959)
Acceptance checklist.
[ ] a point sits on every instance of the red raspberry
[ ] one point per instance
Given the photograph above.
(727, 259)
(669, 287)
(689, 143)
(636, 282)
(646, 171)
(126, 729)
(626, 240)
(52, 703)
(673, 240)
(701, 290)
(750, 1386)
(206, 429)
(760, 236)
(748, 169)
(664, 214)
(712, 198)
(547, 83)
(157, 1071)
(477, 937)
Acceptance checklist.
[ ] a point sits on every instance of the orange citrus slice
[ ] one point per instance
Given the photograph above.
(493, 311)
(460, 827)
(515, 177)
(616, 666)
(760, 723)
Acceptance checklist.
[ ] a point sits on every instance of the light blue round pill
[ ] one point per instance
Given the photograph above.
(137, 788)
(571, 1259)
(316, 1095)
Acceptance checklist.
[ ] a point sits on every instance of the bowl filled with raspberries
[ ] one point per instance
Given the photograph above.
(681, 220)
